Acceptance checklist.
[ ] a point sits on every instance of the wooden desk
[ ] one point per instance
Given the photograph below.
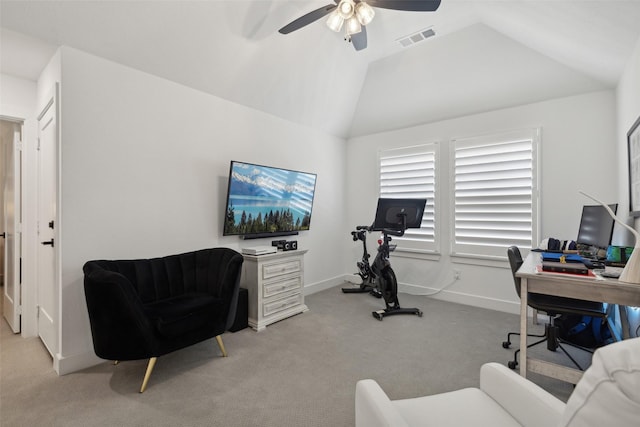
(566, 285)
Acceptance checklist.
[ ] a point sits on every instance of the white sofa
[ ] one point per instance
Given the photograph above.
(607, 394)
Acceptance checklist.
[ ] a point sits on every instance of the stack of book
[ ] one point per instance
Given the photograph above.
(563, 263)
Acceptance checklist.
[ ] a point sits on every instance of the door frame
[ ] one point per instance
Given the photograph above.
(29, 170)
(18, 164)
(52, 100)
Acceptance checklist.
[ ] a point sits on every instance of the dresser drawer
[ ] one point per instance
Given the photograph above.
(282, 304)
(275, 269)
(282, 286)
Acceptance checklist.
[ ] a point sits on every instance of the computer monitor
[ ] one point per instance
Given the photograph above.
(596, 226)
(393, 214)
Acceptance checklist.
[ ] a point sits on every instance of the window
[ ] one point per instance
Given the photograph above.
(411, 173)
(495, 193)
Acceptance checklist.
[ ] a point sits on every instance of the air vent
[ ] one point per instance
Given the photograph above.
(417, 37)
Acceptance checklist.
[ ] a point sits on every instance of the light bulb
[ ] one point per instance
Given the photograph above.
(335, 21)
(346, 8)
(364, 12)
(353, 26)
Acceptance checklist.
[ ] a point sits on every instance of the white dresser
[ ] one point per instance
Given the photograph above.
(275, 285)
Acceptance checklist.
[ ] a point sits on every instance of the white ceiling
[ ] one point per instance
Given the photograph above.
(486, 54)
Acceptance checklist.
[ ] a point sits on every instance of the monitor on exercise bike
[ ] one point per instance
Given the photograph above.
(391, 214)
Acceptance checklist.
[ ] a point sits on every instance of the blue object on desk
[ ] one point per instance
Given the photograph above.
(557, 257)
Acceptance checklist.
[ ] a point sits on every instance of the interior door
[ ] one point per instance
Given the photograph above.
(12, 220)
(47, 292)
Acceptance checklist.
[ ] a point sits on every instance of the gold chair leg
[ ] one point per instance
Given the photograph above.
(221, 345)
(147, 374)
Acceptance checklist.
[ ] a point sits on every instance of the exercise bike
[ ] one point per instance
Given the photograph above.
(393, 217)
(368, 282)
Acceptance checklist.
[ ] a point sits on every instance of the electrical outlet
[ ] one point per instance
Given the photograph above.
(456, 274)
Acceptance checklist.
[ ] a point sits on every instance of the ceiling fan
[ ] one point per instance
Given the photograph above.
(355, 15)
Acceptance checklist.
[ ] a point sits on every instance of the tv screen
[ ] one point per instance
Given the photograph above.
(264, 201)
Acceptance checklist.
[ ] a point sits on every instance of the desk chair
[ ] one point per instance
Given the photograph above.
(553, 306)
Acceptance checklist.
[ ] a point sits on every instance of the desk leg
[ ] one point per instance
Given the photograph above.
(624, 322)
(523, 326)
(611, 322)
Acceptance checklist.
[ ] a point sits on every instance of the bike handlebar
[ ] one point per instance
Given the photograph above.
(369, 228)
(359, 235)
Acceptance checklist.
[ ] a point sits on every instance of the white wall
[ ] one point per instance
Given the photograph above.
(144, 173)
(578, 152)
(628, 111)
(473, 70)
(18, 101)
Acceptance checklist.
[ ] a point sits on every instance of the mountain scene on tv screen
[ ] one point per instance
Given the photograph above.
(267, 200)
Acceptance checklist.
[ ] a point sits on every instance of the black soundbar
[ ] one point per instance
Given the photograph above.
(263, 235)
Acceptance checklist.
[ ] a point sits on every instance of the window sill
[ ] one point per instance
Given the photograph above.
(481, 260)
(417, 254)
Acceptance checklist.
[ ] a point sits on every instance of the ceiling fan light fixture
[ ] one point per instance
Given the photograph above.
(335, 21)
(353, 26)
(364, 13)
(346, 9)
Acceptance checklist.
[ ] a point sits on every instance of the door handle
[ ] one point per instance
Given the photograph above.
(3, 235)
(48, 242)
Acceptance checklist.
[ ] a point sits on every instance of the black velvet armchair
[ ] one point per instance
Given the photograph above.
(146, 308)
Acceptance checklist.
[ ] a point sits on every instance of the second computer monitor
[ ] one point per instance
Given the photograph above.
(596, 226)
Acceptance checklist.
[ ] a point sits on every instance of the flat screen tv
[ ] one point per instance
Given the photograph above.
(264, 201)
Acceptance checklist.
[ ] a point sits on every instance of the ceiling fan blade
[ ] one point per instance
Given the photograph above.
(359, 40)
(410, 5)
(307, 19)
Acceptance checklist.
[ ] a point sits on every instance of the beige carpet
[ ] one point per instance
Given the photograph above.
(299, 372)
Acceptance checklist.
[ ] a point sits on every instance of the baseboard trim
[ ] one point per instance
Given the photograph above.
(462, 298)
(313, 288)
(512, 307)
(64, 365)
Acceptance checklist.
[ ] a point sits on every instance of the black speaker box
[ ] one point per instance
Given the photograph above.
(291, 245)
(242, 312)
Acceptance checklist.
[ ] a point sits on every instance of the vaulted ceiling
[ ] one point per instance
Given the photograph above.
(486, 54)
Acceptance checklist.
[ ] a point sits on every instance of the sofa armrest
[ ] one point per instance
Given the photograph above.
(119, 326)
(232, 276)
(374, 408)
(525, 401)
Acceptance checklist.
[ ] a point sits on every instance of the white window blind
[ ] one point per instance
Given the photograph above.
(411, 173)
(495, 193)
